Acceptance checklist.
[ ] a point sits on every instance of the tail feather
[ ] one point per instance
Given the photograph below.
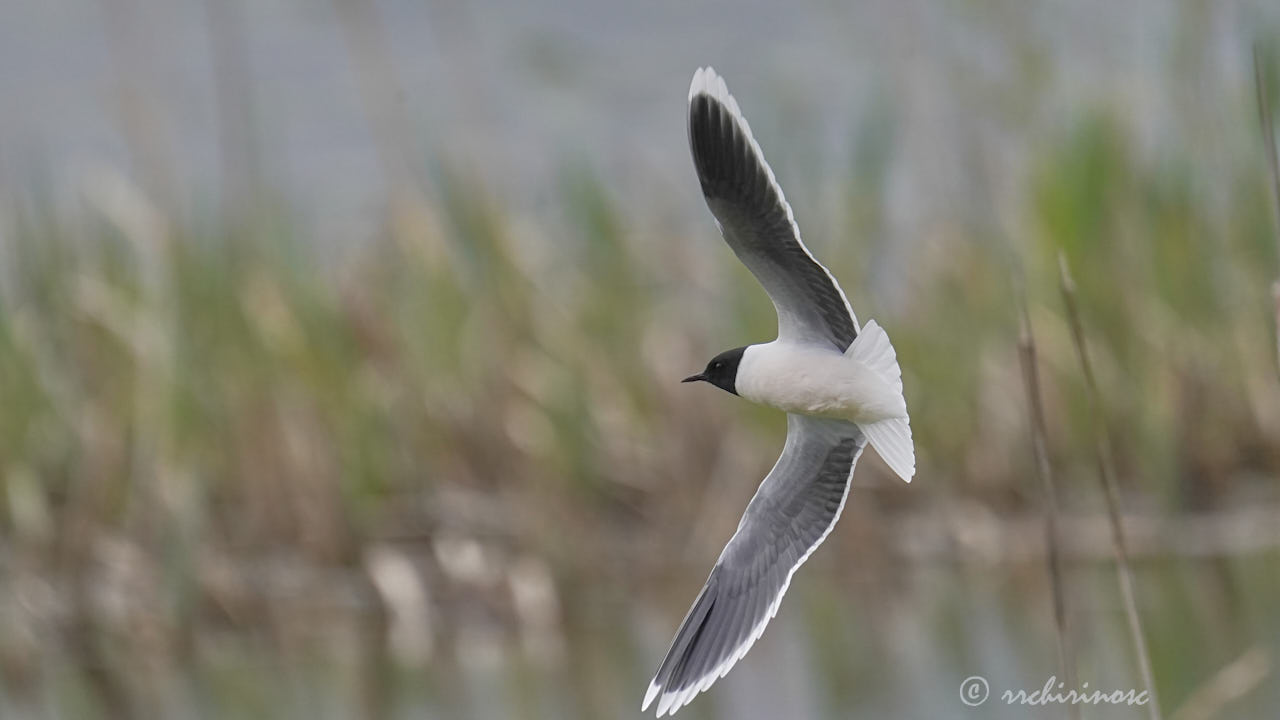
(892, 441)
(890, 437)
(873, 349)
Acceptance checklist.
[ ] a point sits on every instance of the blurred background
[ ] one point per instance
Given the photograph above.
(340, 346)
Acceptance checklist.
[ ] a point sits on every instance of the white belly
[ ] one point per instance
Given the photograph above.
(811, 380)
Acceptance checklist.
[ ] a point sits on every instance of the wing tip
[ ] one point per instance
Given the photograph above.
(672, 700)
(707, 82)
(699, 83)
(668, 705)
(650, 694)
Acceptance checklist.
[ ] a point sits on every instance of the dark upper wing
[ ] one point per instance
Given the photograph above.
(792, 512)
(757, 222)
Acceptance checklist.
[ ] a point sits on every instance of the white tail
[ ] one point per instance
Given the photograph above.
(891, 437)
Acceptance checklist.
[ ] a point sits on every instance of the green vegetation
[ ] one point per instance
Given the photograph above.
(207, 433)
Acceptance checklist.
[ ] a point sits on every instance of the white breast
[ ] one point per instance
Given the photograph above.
(812, 380)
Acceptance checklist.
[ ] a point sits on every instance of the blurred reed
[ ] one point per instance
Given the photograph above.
(1044, 470)
(205, 432)
(239, 478)
(1273, 164)
(1106, 476)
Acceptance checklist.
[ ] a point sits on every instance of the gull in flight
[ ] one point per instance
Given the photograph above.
(839, 384)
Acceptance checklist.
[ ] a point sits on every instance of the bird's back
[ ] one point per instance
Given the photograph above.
(816, 381)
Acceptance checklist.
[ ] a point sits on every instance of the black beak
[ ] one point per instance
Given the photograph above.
(694, 378)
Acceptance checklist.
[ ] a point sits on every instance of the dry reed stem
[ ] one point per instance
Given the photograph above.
(1044, 471)
(1234, 681)
(1106, 474)
(1273, 162)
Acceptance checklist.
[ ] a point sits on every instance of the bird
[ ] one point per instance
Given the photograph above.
(839, 384)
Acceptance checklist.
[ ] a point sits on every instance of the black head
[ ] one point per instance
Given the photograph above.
(722, 371)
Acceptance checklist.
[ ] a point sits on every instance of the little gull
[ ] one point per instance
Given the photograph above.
(841, 388)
